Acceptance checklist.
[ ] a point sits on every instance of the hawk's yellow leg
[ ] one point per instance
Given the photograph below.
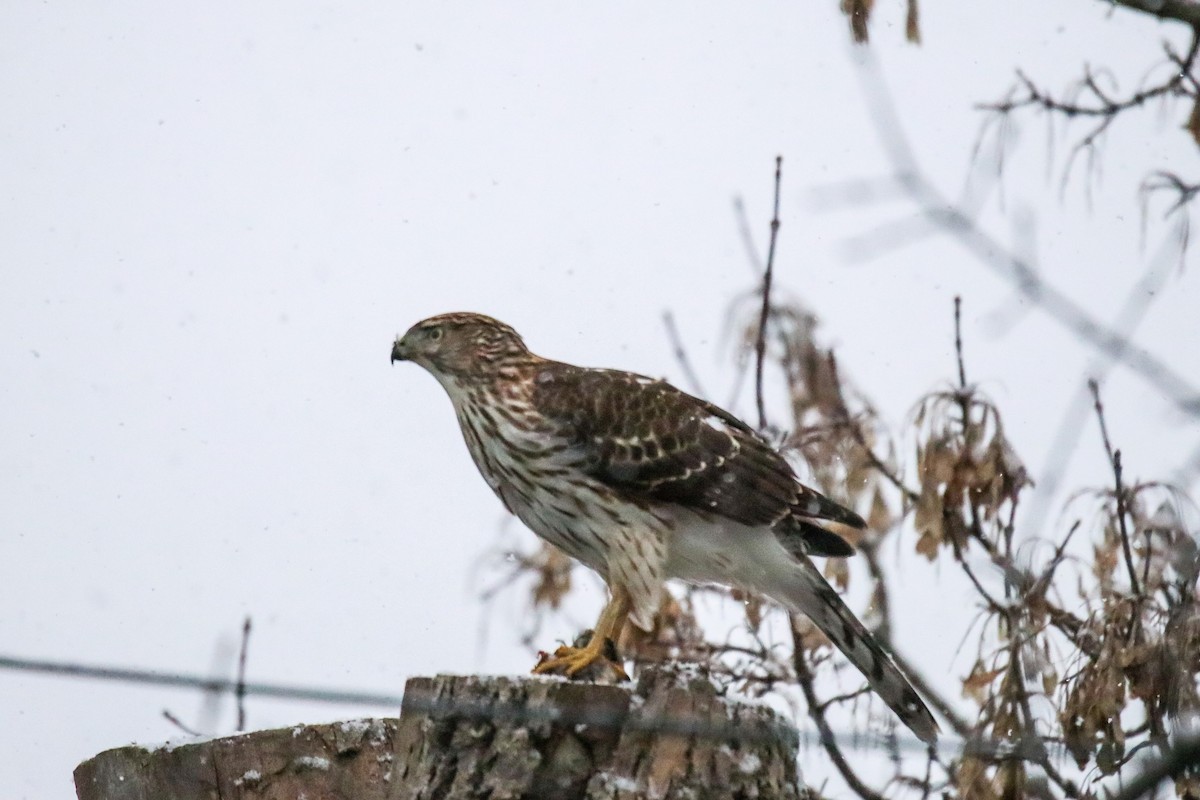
(571, 660)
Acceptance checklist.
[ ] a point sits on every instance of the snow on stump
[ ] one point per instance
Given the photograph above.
(466, 737)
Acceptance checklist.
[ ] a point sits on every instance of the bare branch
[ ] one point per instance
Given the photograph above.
(681, 355)
(926, 690)
(1103, 105)
(816, 711)
(1183, 756)
(1087, 99)
(760, 346)
(1185, 11)
(1034, 743)
(240, 690)
(178, 723)
(958, 345)
(954, 219)
(1161, 181)
(845, 697)
(746, 235)
(1114, 459)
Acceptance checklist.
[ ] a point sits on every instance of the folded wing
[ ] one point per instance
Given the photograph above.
(652, 441)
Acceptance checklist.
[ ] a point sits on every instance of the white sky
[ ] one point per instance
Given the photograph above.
(215, 218)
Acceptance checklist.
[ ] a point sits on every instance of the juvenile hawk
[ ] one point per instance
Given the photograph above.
(642, 482)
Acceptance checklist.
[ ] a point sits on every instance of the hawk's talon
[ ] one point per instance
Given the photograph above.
(571, 661)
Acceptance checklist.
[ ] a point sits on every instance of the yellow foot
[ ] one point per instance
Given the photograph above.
(592, 662)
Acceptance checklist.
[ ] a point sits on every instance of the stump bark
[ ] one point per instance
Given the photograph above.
(503, 738)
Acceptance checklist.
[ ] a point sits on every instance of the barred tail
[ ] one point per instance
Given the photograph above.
(800, 587)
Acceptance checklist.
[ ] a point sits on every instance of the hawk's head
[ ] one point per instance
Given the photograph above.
(459, 344)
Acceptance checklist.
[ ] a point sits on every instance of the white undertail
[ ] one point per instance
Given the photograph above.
(762, 565)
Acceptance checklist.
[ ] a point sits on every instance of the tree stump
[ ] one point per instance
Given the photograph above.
(467, 737)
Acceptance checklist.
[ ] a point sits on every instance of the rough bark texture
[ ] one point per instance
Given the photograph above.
(461, 737)
(318, 762)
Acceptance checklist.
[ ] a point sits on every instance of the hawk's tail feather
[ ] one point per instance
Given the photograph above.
(800, 587)
(812, 504)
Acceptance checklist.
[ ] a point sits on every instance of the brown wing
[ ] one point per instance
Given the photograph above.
(653, 441)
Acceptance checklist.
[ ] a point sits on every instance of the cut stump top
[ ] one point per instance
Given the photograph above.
(467, 737)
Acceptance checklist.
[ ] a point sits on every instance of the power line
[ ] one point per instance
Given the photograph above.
(439, 707)
(1180, 758)
(208, 684)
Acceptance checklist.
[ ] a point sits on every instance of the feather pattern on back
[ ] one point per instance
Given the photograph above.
(658, 443)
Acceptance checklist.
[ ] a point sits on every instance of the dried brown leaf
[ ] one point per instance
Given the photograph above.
(975, 685)
(1091, 713)
(552, 571)
(912, 27)
(838, 573)
(940, 463)
(927, 545)
(1104, 562)
(859, 12)
(970, 777)
(810, 636)
(880, 516)
(1187, 786)
(928, 521)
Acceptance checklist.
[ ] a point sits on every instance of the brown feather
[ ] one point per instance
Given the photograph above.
(655, 442)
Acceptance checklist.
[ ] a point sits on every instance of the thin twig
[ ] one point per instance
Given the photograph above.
(926, 785)
(1026, 584)
(964, 397)
(992, 603)
(760, 346)
(940, 704)
(869, 549)
(1121, 512)
(746, 235)
(178, 723)
(1088, 100)
(1183, 756)
(1009, 527)
(816, 712)
(1104, 106)
(240, 689)
(1114, 460)
(681, 355)
(958, 345)
(845, 697)
(1033, 742)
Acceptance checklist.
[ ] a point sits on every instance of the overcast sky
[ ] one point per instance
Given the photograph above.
(215, 218)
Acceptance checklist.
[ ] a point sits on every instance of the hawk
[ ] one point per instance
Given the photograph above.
(643, 482)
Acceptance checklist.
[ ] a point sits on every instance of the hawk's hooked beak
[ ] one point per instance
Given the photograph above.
(399, 350)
